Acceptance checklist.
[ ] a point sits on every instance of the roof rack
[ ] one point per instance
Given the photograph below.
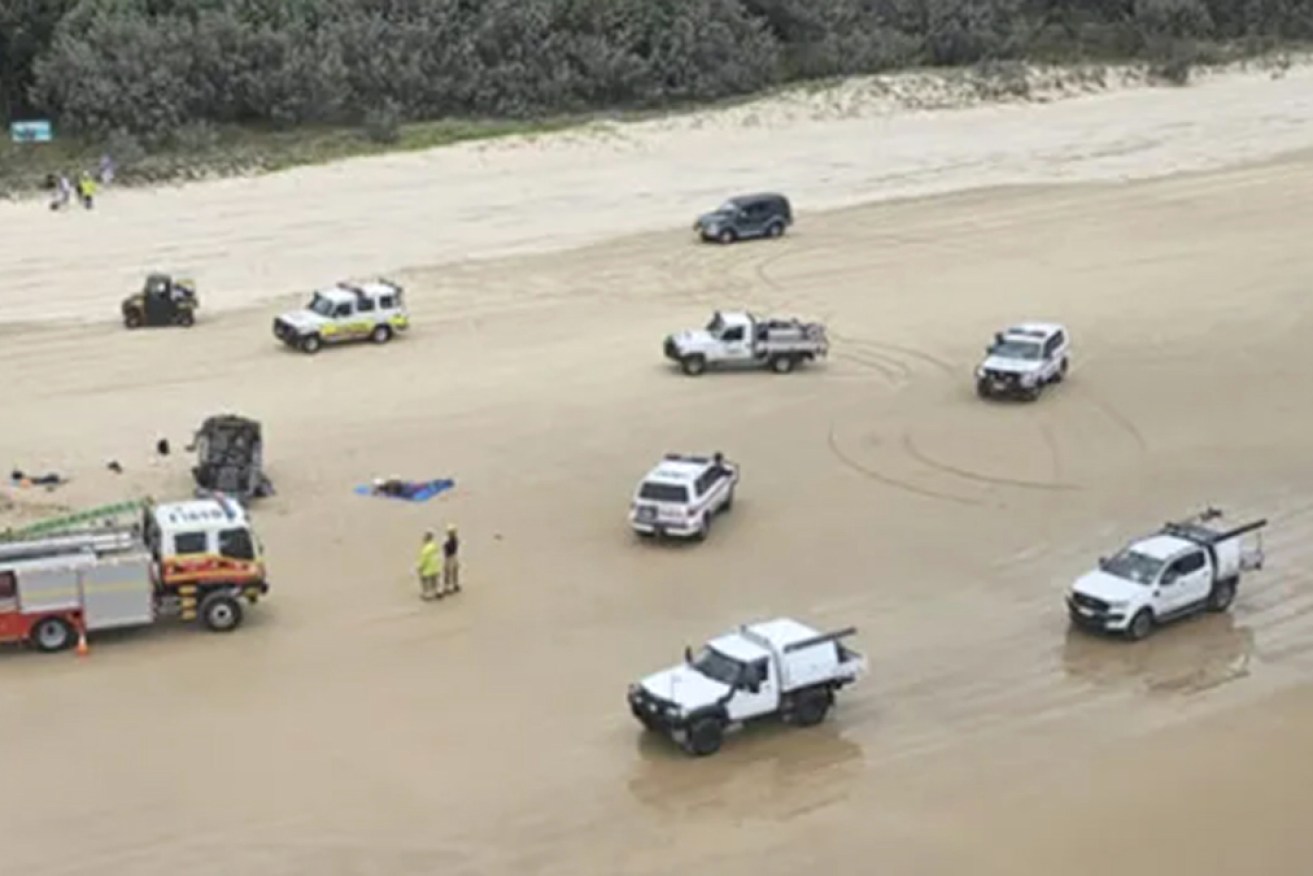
(820, 640)
(1194, 529)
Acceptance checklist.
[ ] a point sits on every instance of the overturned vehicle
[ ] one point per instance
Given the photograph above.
(230, 458)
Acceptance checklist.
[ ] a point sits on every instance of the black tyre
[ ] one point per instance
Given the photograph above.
(812, 707)
(727, 235)
(1032, 394)
(1222, 596)
(310, 344)
(704, 528)
(704, 737)
(221, 613)
(729, 502)
(693, 365)
(982, 388)
(1141, 625)
(52, 634)
(381, 334)
(132, 319)
(775, 229)
(186, 319)
(1062, 371)
(782, 364)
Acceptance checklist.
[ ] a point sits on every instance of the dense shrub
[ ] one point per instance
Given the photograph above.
(156, 69)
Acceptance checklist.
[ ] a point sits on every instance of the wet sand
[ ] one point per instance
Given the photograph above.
(350, 728)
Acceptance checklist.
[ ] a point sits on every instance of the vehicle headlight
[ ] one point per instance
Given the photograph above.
(1027, 378)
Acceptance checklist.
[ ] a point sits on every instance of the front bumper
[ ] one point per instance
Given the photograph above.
(1096, 616)
(1004, 383)
(670, 349)
(285, 331)
(654, 713)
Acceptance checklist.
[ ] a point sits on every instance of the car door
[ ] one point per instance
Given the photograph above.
(753, 216)
(735, 347)
(1179, 581)
(1050, 365)
(757, 692)
(1195, 578)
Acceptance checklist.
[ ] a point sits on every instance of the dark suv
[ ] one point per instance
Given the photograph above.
(764, 215)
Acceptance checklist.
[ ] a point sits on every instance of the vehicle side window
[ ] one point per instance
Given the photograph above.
(1051, 346)
(1189, 563)
(8, 585)
(365, 305)
(236, 544)
(387, 302)
(189, 543)
(733, 334)
(1059, 339)
(342, 310)
(754, 674)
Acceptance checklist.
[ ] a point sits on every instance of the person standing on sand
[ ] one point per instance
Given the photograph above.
(450, 564)
(87, 190)
(430, 567)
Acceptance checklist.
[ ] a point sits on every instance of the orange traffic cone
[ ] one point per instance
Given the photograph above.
(82, 643)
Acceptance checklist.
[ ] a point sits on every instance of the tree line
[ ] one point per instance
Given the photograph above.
(152, 68)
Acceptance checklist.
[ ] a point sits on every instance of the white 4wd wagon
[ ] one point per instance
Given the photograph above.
(681, 495)
(1024, 359)
(345, 312)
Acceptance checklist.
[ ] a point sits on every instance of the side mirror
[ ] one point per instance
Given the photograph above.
(688, 654)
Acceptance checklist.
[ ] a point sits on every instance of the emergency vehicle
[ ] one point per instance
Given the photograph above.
(195, 560)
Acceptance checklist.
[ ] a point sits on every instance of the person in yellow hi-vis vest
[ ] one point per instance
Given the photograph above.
(430, 568)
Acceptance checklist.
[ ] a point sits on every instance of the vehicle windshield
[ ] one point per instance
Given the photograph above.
(655, 491)
(1016, 350)
(320, 305)
(716, 665)
(728, 207)
(1137, 567)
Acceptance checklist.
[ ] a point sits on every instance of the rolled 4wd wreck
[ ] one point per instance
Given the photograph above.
(1024, 359)
(778, 668)
(737, 339)
(343, 313)
(682, 494)
(230, 458)
(1186, 567)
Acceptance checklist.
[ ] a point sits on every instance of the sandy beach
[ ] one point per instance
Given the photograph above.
(350, 728)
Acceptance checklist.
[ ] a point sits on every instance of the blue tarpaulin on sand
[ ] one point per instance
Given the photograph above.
(416, 491)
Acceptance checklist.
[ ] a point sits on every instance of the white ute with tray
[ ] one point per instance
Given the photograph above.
(1186, 567)
(737, 339)
(682, 494)
(777, 668)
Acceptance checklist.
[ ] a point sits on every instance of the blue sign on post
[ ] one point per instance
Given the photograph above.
(31, 132)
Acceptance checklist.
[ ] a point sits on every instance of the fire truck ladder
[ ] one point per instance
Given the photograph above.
(104, 515)
(99, 542)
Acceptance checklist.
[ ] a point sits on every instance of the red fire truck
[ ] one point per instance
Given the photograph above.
(194, 560)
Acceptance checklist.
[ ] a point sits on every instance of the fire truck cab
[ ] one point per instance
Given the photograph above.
(195, 560)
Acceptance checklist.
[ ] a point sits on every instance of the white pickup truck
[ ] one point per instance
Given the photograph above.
(1185, 567)
(776, 668)
(741, 339)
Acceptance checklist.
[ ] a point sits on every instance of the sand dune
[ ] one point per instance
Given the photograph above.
(352, 729)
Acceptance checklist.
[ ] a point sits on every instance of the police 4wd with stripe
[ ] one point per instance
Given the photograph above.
(682, 494)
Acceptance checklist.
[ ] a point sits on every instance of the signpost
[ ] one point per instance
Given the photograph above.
(35, 131)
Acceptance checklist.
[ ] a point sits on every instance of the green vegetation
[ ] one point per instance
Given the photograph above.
(169, 85)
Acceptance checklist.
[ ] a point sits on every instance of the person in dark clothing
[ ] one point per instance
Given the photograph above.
(450, 563)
